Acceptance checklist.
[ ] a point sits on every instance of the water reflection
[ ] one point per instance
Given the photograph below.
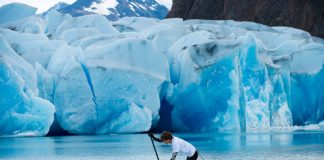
(138, 146)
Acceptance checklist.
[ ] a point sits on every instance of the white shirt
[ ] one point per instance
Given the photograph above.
(180, 145)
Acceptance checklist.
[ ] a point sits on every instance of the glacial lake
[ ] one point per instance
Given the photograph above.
(212, 146)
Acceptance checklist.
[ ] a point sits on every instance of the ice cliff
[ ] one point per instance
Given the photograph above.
(93, 76)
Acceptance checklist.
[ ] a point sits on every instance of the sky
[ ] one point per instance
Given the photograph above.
(44, 5)
(167, 3)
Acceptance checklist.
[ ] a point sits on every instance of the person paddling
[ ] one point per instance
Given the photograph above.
(178, 145)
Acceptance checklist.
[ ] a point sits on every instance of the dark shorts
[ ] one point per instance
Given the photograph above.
(194, 157)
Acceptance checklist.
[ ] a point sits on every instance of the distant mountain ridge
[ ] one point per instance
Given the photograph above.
(114, 9)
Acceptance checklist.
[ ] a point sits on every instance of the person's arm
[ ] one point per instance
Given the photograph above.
(152, 136)
(174, 155)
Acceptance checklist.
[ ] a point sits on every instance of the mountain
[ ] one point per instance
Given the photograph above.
(303, 14)
(115, 9)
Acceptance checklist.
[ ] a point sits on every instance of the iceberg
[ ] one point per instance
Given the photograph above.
(94, 21)
(255, 90)
(53, 19)
(32, 24)
(202, 100)
(307, 84)
(14, 37)
(225, 85)
(60, 58)
(134, 24)
(23, 68)
(21, 108)
(37, 51)
(46, 82)
(174, 52)
(163, 35)
(34, 48)
(138, 74)
(72, 35)
(116, 89)
(101, 39)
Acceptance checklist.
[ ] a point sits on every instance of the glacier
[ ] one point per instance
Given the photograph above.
(88, 75)
(22, 111)
(118, 92)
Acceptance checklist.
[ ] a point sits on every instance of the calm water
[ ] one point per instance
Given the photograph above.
(294, 146)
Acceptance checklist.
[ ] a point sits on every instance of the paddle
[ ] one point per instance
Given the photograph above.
(157, 156)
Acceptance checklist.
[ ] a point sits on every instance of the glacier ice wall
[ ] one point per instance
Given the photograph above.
(104, 77)
(307, 84)
(113, 88)
(22, 111)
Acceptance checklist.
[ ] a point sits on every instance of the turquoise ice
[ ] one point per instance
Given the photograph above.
(22, 111)
(137, 74)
